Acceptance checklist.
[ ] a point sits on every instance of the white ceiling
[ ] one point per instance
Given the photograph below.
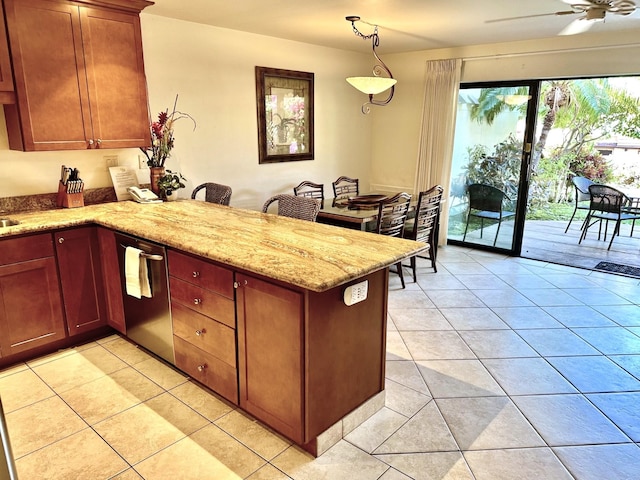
(404, 25)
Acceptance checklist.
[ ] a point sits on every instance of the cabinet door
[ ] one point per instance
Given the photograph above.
(81, 278)
(52, 108)
(270, 354)
(115, 76)
(6, 78)
(30, 305)
(111, 279)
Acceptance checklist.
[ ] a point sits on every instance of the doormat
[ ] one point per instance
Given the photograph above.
(618, 268)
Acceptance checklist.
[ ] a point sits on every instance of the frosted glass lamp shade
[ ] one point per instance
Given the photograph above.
(372, 85)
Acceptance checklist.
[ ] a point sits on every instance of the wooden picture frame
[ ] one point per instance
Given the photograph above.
(285, 115)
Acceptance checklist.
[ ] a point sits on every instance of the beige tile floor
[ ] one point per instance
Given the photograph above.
(497, 368)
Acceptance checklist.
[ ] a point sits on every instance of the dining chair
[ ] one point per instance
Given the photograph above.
(486, 203)
(214, 193)
(608, 204)
(309, 189)
(424, 226)
(303, 208)
(345, 186)
(581, 185)
(392, 214)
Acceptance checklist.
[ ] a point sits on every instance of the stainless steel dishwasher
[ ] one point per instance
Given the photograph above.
(148, 320)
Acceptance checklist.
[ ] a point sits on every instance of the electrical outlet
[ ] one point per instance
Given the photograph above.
(111, 161)
(355, 293)
(142, 162)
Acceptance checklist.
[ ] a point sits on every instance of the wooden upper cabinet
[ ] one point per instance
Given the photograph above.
(79, 77)
(6, 78)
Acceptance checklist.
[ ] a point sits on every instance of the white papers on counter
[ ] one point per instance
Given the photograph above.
(123, 178)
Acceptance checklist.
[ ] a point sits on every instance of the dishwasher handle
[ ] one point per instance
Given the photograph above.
(148, 256)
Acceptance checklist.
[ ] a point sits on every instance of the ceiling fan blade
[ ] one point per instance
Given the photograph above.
(507, 19)
(579, 25)
(578, 2)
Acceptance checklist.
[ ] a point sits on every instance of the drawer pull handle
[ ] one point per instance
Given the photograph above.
(197, 301)
(196, 274)
(61, 240)
(202, 367)
(200, 332)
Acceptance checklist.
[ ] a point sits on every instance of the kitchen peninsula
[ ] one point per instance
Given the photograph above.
(290, 352)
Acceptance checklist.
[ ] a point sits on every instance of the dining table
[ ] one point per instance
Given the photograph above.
(359, 212)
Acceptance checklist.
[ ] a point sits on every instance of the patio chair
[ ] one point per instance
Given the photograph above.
(486, 203)
(303, 208)
(608, 204)
(392, 213)
(214, 193)
(581, 185)
(424, 226)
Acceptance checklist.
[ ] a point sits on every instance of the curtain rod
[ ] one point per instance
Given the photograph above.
(547, 52)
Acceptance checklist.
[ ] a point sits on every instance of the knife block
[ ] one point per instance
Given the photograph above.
(69, 200)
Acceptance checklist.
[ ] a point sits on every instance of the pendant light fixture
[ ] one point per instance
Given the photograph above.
(377, 83)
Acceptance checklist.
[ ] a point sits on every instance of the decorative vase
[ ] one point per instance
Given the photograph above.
(156, 173)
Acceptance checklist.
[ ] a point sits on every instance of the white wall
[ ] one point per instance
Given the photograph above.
(212, 70)
(396, 129)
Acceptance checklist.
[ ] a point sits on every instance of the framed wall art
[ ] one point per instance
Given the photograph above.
(285, 115)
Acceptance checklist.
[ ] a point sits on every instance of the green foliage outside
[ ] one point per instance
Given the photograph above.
(586, 110)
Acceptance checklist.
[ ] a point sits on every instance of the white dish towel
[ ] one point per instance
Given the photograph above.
(136, 273)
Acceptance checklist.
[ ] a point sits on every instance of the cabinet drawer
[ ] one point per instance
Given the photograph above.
(207, 334)
(15, 250)
(207, 369)
(202, 273)
(203, 301)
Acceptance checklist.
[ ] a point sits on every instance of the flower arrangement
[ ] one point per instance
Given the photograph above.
(170, 182)
(162, 140)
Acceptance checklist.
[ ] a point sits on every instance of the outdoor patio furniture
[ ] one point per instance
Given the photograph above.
(581, 185)
(486, 203)
(608, 204)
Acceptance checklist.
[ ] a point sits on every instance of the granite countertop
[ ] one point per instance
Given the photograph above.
(310, 255)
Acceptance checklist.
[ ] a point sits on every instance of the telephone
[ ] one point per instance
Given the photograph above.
(143, 195)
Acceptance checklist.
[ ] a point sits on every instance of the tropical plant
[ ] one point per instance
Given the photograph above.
(500, 168)
(170, 182)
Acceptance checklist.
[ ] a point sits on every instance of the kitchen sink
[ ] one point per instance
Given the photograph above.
(8, 222)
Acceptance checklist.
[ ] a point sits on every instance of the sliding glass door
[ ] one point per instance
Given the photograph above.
(491, 158)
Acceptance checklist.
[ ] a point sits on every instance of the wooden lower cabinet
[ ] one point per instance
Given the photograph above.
(30, 303)
(305, 359)
(81, 278)
(203, 315)
(270, 356)
(111, 279)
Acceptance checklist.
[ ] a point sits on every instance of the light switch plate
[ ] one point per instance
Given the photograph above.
(355, 293)
(111, 161)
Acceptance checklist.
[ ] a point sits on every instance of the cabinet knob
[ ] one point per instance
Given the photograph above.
(99, 141)
(197, 301)
(202, 367)
(196, 274)
(200, 332)
(91, 141)
(61, 240)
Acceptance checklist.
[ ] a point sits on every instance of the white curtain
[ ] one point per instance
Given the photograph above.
(437, 130)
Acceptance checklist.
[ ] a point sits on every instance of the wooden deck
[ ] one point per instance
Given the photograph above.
(546, 240)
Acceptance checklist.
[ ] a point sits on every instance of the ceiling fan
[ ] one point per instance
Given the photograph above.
(593, 10)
